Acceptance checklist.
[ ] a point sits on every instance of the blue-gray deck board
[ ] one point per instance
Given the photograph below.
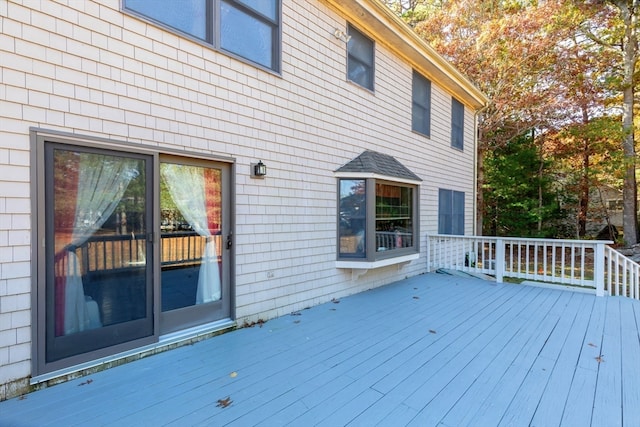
(429, 350)
(630, 352)
(485, 379)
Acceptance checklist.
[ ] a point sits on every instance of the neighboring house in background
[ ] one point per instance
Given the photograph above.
(605, 211)
(167, 172)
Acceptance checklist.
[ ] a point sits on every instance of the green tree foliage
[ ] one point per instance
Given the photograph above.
(520, 198)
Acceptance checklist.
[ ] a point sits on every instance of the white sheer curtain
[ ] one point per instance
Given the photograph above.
(102, 180)
(186, 184)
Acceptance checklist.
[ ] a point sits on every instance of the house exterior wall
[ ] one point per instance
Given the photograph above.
(88, 69)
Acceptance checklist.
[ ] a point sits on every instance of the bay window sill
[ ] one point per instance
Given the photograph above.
(364, 265)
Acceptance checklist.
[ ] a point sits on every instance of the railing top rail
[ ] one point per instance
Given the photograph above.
(523, 239)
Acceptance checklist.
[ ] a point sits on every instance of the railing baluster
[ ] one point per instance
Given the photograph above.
(105, 256)
(553, 262)
(617, 275)
(573, 261)
(624, 280)
(627, 285)
(533, 261)
(512, 258)
(612, 274)
(583, 254)
(619, 269)
(526, 259)
(636, 289)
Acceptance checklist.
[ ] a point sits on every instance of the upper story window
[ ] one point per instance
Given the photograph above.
(450, 212)
(421, 105)
(249, 29)
(360, 59)
(377, 209)
(457, 124)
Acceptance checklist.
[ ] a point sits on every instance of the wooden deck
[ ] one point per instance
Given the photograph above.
(433, 350)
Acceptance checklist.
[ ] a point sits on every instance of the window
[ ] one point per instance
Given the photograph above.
(377, 216)
(394, 217)
(457, 124)
(353, 218)
(450, 212)
(616, 205)
(249, 29)
(360, 59)
(421, 105)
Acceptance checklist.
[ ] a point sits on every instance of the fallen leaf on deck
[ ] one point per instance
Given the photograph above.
(223, 403)
(599, 359)
(85, 383)
(431, 331)
(259, 322)
(592, 345)
(233, 374)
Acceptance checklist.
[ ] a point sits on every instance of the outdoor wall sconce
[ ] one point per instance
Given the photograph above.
(258, 170)
(341, 35)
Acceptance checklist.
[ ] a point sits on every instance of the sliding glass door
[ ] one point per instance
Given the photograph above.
(131, 246)
(99, 255)
(195, 243)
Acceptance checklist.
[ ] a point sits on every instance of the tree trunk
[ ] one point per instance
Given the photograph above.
(584, 193)
(584, 188)
(629, 192)
(540, 175)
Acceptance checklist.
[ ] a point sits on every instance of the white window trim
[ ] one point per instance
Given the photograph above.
(363, 265)
(360, 175)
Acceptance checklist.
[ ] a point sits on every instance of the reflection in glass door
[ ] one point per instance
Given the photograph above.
(98, 287)
(194, 289)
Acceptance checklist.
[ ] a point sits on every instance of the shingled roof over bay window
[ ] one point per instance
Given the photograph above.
(374, 163)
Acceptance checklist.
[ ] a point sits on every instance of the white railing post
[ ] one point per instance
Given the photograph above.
(598, 269)
(500, 259)
(428, 254)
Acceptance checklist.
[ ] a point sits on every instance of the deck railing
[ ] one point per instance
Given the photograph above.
(589, 264)
(622, 275)
(120, 252)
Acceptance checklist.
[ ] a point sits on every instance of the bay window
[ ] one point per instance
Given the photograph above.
(377, 210)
